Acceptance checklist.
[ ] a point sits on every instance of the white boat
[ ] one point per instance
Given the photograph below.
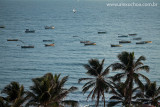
(49, 27)
(74, 10)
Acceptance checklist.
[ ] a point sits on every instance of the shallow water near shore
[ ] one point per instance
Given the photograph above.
(68, 55)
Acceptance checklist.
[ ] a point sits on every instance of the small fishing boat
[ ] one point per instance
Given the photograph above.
(124, 41)
(137, 38)
(74, 10)
(12, 39)
(141, 42)
(75, 36)
(90, 43)
(101, 32)
(49, 44)
(2, 26)
(49, 27)
(84, 41)
(28, 46)
(123, 36)
(132, 34)
(116, 45)
(29, 31)
(48, 40)
(148, 41)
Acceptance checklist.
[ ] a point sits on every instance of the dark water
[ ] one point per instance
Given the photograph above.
(68, 55)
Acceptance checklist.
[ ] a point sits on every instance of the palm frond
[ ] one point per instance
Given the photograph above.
(116, 98)
(87, 87)
(118, 76)
(137, 81)
(144, 77)
(90, 82)
(145, 68)
(141, 58)
(84, 79)
(63, 81)
(117, 66)
(106, 72)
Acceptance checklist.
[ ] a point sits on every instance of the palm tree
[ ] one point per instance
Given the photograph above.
(130, 68)
(49, 91)
(151, 94)
(119, 95)
(15, 94)
(97, 82)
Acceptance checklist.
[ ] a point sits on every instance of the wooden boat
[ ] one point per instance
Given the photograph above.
(90, 43)
(12, 39)
(49, 44)
(124, 41)
(49, 27)
(117, 45)
(29, 46)
(148, 41)
(48, 40)
(132, 34)
(84, 41)
(123, 36)
(102, 32)
(29, 31)
(137, 38)
(141, 42)
(2, 26)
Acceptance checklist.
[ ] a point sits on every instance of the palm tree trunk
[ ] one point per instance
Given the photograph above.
(98, 99)
(104, 99)
(130, 90)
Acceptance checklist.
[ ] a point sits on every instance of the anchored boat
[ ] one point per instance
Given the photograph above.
(29, 31)
(124, 41)
(117, 45)
(28, 46)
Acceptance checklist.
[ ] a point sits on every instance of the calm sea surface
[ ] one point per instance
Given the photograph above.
(68, 55)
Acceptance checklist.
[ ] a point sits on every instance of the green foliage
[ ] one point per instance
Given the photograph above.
(130, 68)
(97, 83)
(48, 90)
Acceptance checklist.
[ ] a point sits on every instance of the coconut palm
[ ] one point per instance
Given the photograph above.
(151, 94)
(119, 95)
(97, 82)
(130, 68)
(15, 94)
(49, 91)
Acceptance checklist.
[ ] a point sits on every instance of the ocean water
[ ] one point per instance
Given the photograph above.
(68, 55)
